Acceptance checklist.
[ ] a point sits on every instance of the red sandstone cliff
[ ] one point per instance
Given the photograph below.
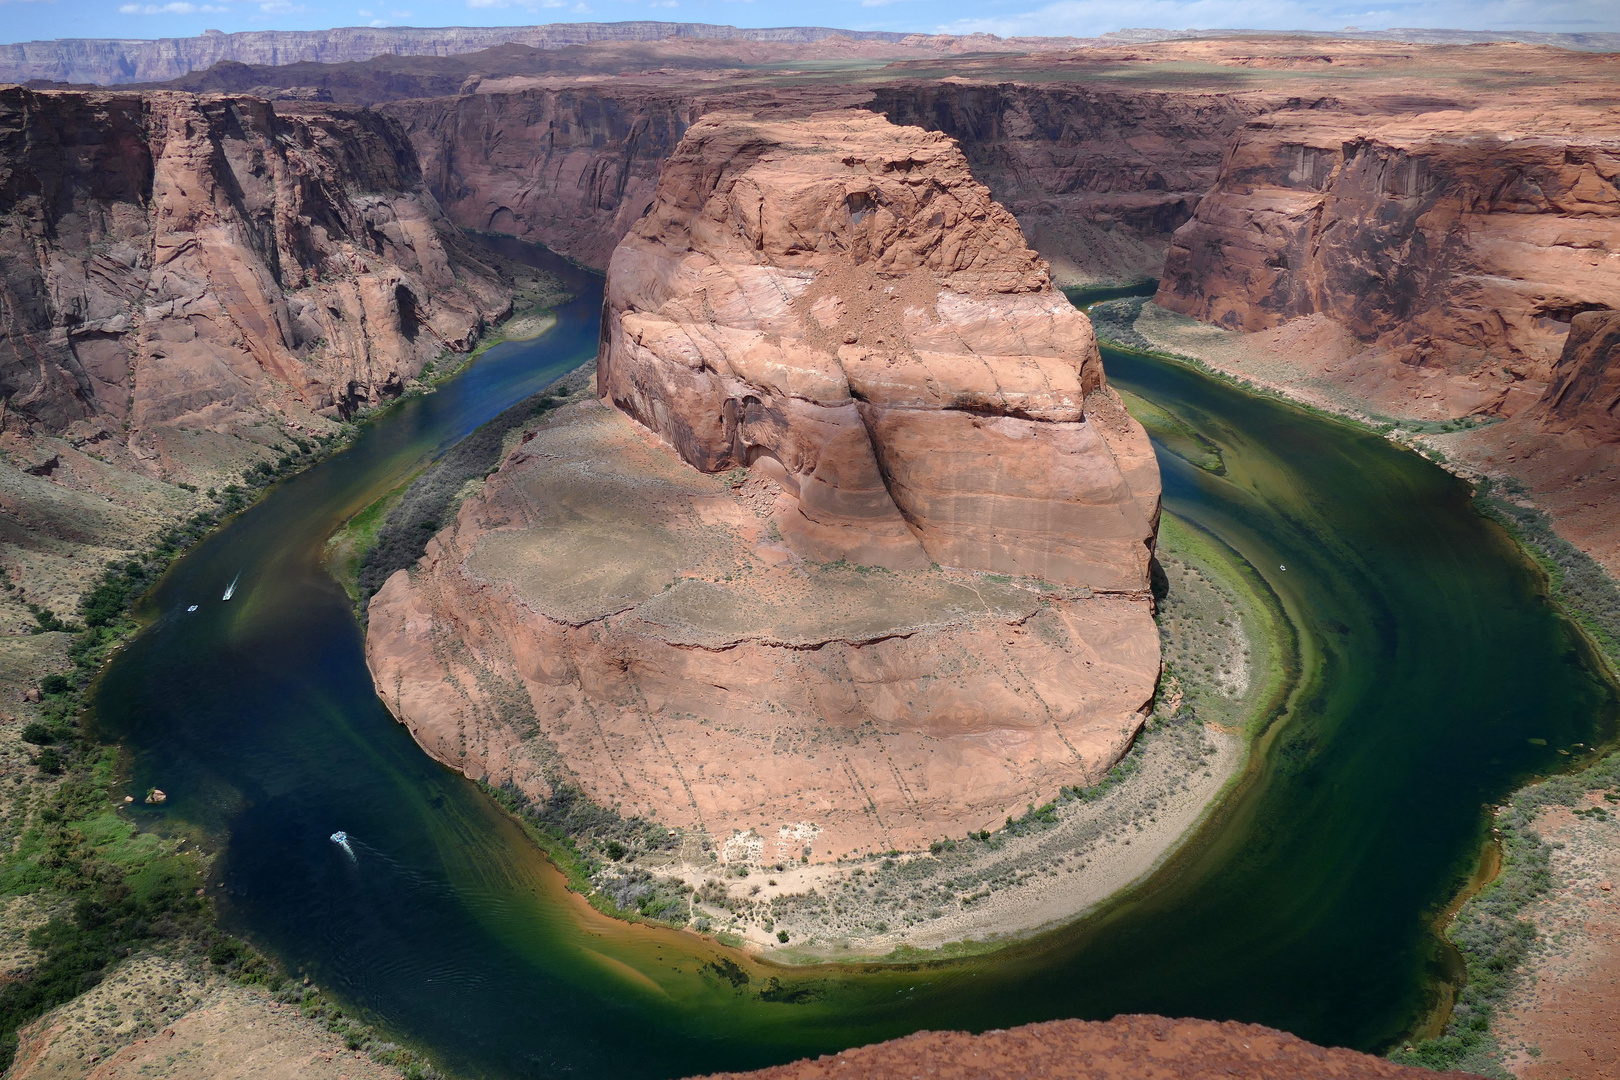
(183, 261)
(839, 301)
(852, 343)
(1459, 242)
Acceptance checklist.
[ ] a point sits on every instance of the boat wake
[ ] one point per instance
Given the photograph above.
(231, 588)
(341, 839)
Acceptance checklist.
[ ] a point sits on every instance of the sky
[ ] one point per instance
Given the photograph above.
(24, 20)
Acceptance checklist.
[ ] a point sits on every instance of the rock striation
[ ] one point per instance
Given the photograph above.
(181, 261)
(838, 302)
(860, 558)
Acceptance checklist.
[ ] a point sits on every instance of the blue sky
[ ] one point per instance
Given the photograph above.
(31, 19)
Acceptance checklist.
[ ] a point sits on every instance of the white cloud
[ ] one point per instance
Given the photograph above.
(532, 5)
(281, 7)
(177, 8)
(1086, 18)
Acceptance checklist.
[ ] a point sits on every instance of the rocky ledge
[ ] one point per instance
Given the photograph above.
(903, 591)
(1126, 1048)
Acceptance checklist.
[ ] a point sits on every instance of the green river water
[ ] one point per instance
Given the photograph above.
(1429, 658)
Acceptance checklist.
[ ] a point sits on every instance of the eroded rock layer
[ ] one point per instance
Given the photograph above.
(861, 563)
(1457, 242)
(175, 260)
(838, 302)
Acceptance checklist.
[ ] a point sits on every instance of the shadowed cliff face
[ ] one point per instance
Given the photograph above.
(174, 260)
(572, 168)
(1457, 241)
(1098, 178)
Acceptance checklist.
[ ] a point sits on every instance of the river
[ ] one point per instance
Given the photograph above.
(1429, 660)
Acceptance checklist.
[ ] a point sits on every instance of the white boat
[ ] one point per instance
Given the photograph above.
(231, 588)
(193, 607)
(341, 839)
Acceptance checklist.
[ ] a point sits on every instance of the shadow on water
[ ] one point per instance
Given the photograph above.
(1429, 656)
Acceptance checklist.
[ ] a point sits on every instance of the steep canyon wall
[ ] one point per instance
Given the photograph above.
(1458, 243)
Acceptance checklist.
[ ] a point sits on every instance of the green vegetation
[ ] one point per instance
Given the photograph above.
(586, 841)
(409, 520)
(1491, 930)
(1576, 581)
(117, 890)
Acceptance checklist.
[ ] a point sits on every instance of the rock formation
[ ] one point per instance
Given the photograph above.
(178, 261)
(1124, 1048)
(838, 302)
(1459, 241)
(1583, 398)
(851, 342)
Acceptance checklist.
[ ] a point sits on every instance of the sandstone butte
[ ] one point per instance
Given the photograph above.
(1141, 1047)
(851, 555)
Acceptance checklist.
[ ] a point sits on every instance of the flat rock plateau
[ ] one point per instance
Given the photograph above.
(801, 623)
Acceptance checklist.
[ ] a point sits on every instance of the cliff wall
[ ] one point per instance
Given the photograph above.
(571, 168)
(186, 284)
(1098, 178)
(1459, 242)
(176, 260)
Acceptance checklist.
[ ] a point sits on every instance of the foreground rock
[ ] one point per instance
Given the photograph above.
(866, 364)
(1124, 1048)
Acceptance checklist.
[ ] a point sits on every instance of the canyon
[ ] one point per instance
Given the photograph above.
(882, 531)
(192, 285)
(197, 275)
